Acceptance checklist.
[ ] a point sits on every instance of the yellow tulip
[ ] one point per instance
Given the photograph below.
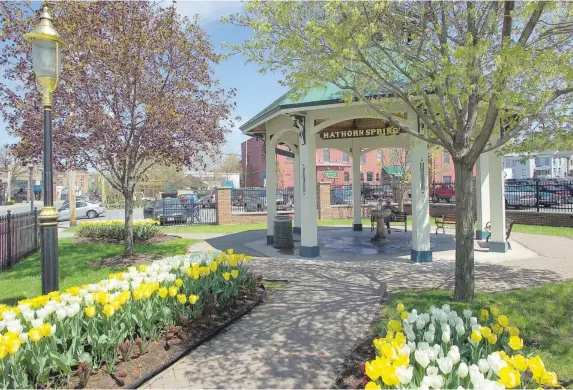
(404, 315)
(513, 331)
(90, 311)
(235, 273)
(178, 282)
(35, 334)
(193, 299)
(226, 275)
(248, 258)
(492, 339)
(108, 310)
(230, 251)
(3, 351)
(232, 261)
(509, 377)
(172, 291)
(485, 331)
(503, 321)
(182, 298)
(400, 307)
(497, 329)
(537, 367)
(13, 345)
(162, 292)
(476, 336)
(494, 311)
(372, 386)
(116, 304)
(520, 362)
(213, 266)
(394, 325)
(484, 315)
(549, 379)
(515, 343)
(46, 330)
(137, 294)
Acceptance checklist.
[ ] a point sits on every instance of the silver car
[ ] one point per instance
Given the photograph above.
(83, 210)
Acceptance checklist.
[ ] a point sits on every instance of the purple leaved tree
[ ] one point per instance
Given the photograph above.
(136, 90)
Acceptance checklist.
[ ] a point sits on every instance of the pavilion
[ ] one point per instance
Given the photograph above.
(322, 120)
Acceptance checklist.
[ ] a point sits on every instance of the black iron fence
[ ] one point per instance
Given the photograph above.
(254, 199)
(182, 211)
(19, 236)
(343, 194)
(539, 195)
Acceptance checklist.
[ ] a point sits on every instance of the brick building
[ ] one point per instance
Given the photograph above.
(335, 166)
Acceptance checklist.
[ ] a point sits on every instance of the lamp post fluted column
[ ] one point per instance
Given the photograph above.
(46, 47)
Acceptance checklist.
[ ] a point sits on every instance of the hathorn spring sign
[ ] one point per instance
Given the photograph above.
(359, 133)
(330, 174)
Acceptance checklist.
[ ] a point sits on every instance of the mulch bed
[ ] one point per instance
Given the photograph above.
(351, 375)
(158, 353)
(155, 240)
(123, 262)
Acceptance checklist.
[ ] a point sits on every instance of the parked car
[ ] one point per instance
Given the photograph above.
(562, 190)
(170, 210)
(444, 191)
(341, 195)
(209, 200)
(519, 196)
(544, 198)
(148, 209)
(253, 203)
(83, 210)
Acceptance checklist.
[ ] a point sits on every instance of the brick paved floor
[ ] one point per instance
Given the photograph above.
(300, 337)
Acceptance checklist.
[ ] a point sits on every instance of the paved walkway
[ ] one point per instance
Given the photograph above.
(301, 336)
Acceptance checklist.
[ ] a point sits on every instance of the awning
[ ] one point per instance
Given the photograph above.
(395, 171)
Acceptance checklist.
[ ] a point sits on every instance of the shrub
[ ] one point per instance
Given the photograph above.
(43, 339)
(442, 349)
(143, 230)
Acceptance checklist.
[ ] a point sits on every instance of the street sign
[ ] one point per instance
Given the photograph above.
(330, 174)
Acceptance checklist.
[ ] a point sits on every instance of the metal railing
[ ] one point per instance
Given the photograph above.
(254, 199)
(179, 211)
(19, 236)
(343, 194)
(551, 195)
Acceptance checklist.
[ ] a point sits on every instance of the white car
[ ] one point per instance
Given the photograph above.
(83, 210)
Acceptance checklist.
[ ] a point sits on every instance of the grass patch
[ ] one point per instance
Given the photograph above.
(544, 230)
(220, 229)
(543, 314)
(24, 279)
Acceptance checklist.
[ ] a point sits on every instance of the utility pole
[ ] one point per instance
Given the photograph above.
(9, 184)
(72, 196)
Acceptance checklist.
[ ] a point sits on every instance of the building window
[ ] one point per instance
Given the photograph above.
(369, 176)
(362, 176)
(514, 162)
(446, 159)
(447, 179)
(394, 157)
(523, 173)
(377, 176)
(379, 156)
(344, 157)
(326, 155)
(363, 158)
(346, 177)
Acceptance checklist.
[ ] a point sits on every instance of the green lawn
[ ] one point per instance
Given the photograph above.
(543, 314)
(23, 280)
(544, 230)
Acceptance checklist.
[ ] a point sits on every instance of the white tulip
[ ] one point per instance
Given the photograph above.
(2, 325)
(404, 374)
(467, 314)
(28, 315)
(36, 323)
(429, 337)
(8, 316)
(405, 350)
(433, 381)
(476, 327)
(420, 323)
(473, 321)
(483, 365)
(14, 326)
(422, 358)
(454, 354)
(446, 328)
(463, 370)
(496, 363)
(61, 313)
(460, 329)
(432, 328)
(445, 364)
(423, 346)
(476, 377)
(446, 337)
(432, 370)
(411, 336)
(446, 308)
(412, 346)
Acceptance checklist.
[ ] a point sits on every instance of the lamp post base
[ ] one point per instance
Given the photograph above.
(49, 232)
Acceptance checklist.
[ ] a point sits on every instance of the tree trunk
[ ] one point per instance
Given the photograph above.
(465, 277)
(401, 197)
(128, 224)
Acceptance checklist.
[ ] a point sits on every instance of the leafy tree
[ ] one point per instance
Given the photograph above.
(462, 67)
(136, 91)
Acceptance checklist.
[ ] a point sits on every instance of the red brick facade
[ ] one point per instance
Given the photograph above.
(254, 168)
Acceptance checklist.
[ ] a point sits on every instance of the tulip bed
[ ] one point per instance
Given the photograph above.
(114, 230)
(43, 340)
(442, 349)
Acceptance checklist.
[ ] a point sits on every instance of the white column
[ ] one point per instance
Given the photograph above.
(497, 241)
(308, 240)
(356, 187)
(297, 205)
(271, 186)
(482, 196)
(421, 251)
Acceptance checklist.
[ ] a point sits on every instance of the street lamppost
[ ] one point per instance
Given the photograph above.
(46, 57)
(31, 167)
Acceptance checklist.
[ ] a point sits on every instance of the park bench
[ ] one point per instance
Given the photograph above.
(446, 219)
(398, 216)
(508, 226)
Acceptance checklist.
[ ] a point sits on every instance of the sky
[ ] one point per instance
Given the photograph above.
(254, 91)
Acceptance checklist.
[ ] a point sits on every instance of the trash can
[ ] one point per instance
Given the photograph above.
(283, 233)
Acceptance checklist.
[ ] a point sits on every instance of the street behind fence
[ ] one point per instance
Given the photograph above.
(19, 236)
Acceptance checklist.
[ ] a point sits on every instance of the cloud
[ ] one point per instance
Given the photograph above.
(209, 11)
